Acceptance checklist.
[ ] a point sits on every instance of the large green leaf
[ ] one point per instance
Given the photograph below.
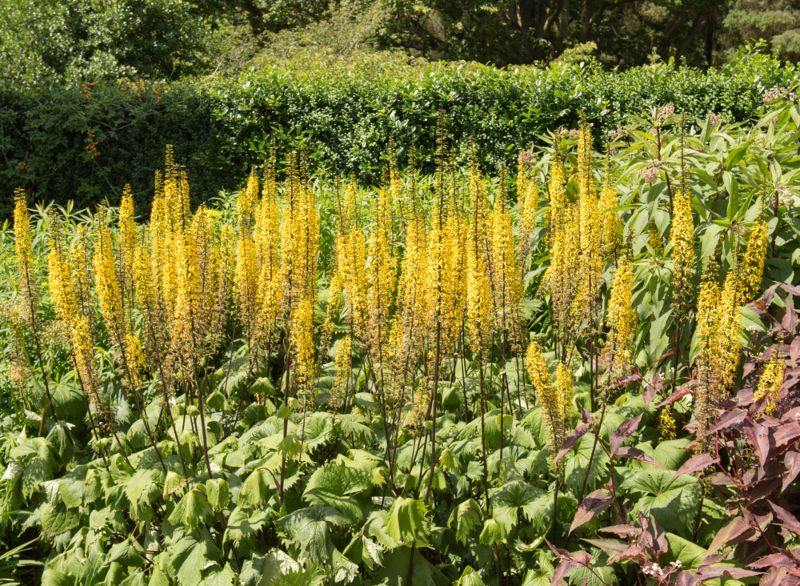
(670, 498)
(192, 510)
(406, 522)
(517, 497)
(308, 530)
(465, 520)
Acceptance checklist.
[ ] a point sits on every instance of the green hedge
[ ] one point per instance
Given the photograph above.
(344, 120)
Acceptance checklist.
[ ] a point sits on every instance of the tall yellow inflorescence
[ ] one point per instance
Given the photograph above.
(769, 385)
(185, 333)
(751, 268)
(528, 200)
(24, 254)
(381, 276)
(506, 275)
(718, 336)
(585, 304)
(62, 291)
(109, 296)
(563, 274)
(342, 365)
(621, 318)
(302, 337)
(81, 273)
(682, 237)
(555, 402)
(246, 279)
(564, 392)
(127, 244)
(412, 302)
(727, 344)
(248, 201)
(479, 303)
(611, 230)
(557, 194)
(267, 236)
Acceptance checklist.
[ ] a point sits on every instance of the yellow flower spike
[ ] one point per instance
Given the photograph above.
(666, 424)
(751, 268)
(611, 230)
(342, 366)
(769, 385)
(127, 241)
(621, 317)
(381, 273)
(246, 279)
(552, 400)
(107, 287)
(682, 237)
(24, 253)
(564, 392)
(302, 338)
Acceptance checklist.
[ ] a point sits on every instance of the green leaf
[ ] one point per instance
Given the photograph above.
(338, 479)
(465, 520)
(256, 489)
(307, 529)
(470, 577)
(406, 521)
(493, 532)
(670, 498)
(689, 554)
(515, 497)
(141, 490)
(192, 510)
(218, 492)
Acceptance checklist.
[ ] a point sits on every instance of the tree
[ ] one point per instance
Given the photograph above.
(776, 21)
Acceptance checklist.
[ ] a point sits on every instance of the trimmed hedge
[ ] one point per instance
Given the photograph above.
(84, 143)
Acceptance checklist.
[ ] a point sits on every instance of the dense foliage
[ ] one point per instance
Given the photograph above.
(85, 143)
(587, 374)
(45, 42)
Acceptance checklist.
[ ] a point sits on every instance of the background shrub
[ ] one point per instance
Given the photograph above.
(84, 143)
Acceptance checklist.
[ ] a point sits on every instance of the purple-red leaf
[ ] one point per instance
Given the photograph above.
(621, 530)
(571, 440)
(696, 463)
(734, 532)
(785, 517)
(593, 503)
(625, 429)
(785, 433)
(731, 418)
(761, 440)
(781, 559)
(635, 454)
(791, 461)
(653, 388)
(710, 572)
(682, 391)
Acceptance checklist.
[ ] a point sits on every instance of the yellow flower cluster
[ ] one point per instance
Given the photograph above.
(611, 230)
(682, 237)
(24, 253)
(65, 299)
(342, 365)
(666, 424)
(769, 385)
(556, 403)
(528, 198)
(621, 317)
(127, 243)
(381, 276)
(718, 336)
(751, 268)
